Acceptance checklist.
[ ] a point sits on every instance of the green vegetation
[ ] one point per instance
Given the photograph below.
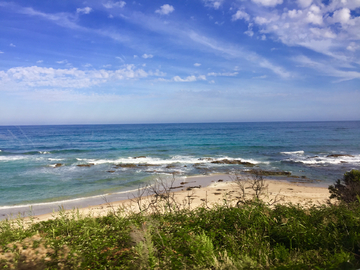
(235, 235)
(347, 189)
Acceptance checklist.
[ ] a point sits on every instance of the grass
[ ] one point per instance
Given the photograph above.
(244, 234)
(224, 237)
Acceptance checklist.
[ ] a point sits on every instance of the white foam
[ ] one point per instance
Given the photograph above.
(44, 152)
(158, 161)
(55, 159)
(322, 160)
(11, 158)
(301, 152)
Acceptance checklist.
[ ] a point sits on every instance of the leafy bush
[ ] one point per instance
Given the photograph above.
(347, 189)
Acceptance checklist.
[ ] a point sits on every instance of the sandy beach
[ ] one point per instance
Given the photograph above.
(211, 190)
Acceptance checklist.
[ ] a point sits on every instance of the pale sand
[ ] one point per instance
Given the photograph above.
(214, 192)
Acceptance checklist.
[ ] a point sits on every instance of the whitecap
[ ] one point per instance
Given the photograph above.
(55, 159)
(301, 152)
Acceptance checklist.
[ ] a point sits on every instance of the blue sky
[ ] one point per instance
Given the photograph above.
(103, 61)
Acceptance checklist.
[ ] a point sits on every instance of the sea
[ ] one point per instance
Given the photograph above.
(44, 164)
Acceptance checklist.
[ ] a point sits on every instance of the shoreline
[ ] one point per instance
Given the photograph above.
(198, 189)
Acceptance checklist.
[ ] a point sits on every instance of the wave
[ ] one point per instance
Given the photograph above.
(185, 160)
(326, 160)
(301, 152)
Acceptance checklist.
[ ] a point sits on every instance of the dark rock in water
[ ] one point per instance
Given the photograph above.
(343, 162)
(139, 157)
(268, 173)
(125, 165)
(206, 159)
(170, 166)
(339, 155)
(111, 171)
(58, 165)
(86, 165)
(235, 161)
(220, 180)
(248, 164)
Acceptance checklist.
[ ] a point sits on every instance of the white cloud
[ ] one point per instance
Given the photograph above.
(260, 77)
(344, 75)
(249, 32)
(35, 76)
(241, 15)
(1, 52)
(304, 3)
(268, 3)
(146, 56)
(191, 78)
(224, 74)
(121, 58)
(342, 16)
(57, 95)
(276, 69)
(353, 47)
(215, 4)
(323, 32)
(62, 62)
(40, 61)
(85, 10)
(197, 64)
(165, 9)
(111, 4)
(314, 18)
(12, 45)
(294, 13)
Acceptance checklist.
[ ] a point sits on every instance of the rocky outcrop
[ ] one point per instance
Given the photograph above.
(235, 161)
(269, 173)
(126, 165)
(86, 165)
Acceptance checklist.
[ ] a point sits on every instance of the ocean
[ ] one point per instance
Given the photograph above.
(42, 164)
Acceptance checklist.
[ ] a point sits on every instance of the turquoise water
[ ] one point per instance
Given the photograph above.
(29, 154)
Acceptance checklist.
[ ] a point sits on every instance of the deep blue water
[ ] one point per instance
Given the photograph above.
(28, 154)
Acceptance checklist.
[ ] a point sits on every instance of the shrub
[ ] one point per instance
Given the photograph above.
(347, 189)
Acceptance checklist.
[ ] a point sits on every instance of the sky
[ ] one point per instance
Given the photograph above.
(188, 61)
